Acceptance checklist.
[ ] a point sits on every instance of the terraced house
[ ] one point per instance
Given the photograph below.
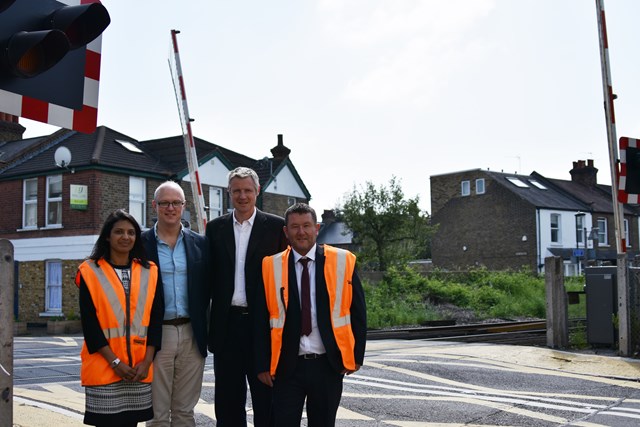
(52, 213)
(511, 221)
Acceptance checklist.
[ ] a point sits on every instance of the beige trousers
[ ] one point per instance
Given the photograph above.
(178, 369)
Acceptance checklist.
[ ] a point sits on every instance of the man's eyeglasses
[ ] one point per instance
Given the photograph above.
(176, 204)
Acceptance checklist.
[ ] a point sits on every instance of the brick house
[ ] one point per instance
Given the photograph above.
(510, 221)
(53, 215)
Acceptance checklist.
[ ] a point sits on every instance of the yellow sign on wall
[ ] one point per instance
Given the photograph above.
(79, 197)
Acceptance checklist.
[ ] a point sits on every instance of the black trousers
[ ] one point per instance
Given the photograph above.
(315, 381)
(233, 368)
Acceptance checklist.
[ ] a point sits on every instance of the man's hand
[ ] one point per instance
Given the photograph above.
(349, 371)
(266, 378)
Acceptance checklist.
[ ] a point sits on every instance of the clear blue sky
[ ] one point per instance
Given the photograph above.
(363, 90)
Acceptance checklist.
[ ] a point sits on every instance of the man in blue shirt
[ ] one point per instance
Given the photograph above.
(183, 260)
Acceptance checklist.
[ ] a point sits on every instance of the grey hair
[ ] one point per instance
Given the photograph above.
(242, 172)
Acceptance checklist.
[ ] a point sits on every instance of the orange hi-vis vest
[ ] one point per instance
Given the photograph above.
(124, 319)
(338, 271)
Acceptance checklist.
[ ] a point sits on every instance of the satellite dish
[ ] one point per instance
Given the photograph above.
(62, 157)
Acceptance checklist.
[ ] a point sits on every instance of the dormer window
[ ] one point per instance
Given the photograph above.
(465, 188)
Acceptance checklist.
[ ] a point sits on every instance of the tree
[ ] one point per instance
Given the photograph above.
(388, 229)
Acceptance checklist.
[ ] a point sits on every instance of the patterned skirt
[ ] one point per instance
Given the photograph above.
(117, 403)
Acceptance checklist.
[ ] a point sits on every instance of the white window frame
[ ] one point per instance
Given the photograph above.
(580, 221)
(53, 201)
(215, 202)
(557, 229)
(29, 205)
(138, 202)
(465, 188)
(602, 232)
(626, 232)
(291, 201)
(480, 189)
(53, 288)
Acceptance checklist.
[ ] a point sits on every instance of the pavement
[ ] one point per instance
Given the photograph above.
(603, 363)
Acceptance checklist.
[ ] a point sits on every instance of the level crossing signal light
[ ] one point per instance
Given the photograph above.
(629, 174)
(42, 46)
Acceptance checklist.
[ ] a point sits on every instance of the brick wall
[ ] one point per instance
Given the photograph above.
(481, 229)
(277, 204)
(31, 294)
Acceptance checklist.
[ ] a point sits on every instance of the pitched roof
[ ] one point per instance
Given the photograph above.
(103, 148)
(550, 193)
(540, 195)
(112, 150)
(335, 233)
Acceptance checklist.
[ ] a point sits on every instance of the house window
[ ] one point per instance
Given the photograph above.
(53, 286)
(291, 201)
(602, 232)
(30, 203)
(137, 199)
(626, 233)
(480, 186)
(580, 229)
(215, 202)
(54, 200)
(465, 188)
(555, 228)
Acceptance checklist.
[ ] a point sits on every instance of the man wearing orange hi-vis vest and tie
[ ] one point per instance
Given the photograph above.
(311, 323)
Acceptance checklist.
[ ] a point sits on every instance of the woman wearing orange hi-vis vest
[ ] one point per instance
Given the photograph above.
(310, 324)
(121, 310)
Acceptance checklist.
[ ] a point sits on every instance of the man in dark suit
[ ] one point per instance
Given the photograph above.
(238, 243)
(309, 332)
(183, 261)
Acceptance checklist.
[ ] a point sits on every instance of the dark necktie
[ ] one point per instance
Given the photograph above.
(305, 297)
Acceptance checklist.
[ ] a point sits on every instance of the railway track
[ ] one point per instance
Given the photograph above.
(508, 332)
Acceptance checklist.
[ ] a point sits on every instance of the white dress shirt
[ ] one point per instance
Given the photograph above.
(313, 342)
(241, 232)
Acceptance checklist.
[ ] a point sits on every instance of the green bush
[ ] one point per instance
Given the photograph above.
(405, 297)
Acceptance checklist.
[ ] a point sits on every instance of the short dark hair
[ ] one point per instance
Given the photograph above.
(102, 249)
(300, 208)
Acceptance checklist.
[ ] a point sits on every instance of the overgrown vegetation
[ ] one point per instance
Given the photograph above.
(405, 297)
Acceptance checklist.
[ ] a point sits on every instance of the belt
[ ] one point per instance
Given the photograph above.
(177, 321)
(310, 356)
(238, 309)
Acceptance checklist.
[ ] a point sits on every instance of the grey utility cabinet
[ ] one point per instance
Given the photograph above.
(601, 297)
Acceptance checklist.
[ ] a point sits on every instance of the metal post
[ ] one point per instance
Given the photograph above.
(6, 333)
(624, 327)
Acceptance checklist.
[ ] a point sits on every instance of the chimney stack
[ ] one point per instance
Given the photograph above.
(585, 174)
(10, 129)
(280, 152)
(328, 217)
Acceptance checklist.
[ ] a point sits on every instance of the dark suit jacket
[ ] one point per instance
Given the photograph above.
(198, 279)
(267, 238)
(293, 326)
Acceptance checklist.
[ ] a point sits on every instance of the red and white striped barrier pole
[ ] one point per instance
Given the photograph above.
(611, 128)
(190, 149)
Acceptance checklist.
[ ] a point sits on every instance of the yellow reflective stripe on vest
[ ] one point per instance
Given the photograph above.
(136, 325)
(278, 322)
(114, 302)
(341, 267)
